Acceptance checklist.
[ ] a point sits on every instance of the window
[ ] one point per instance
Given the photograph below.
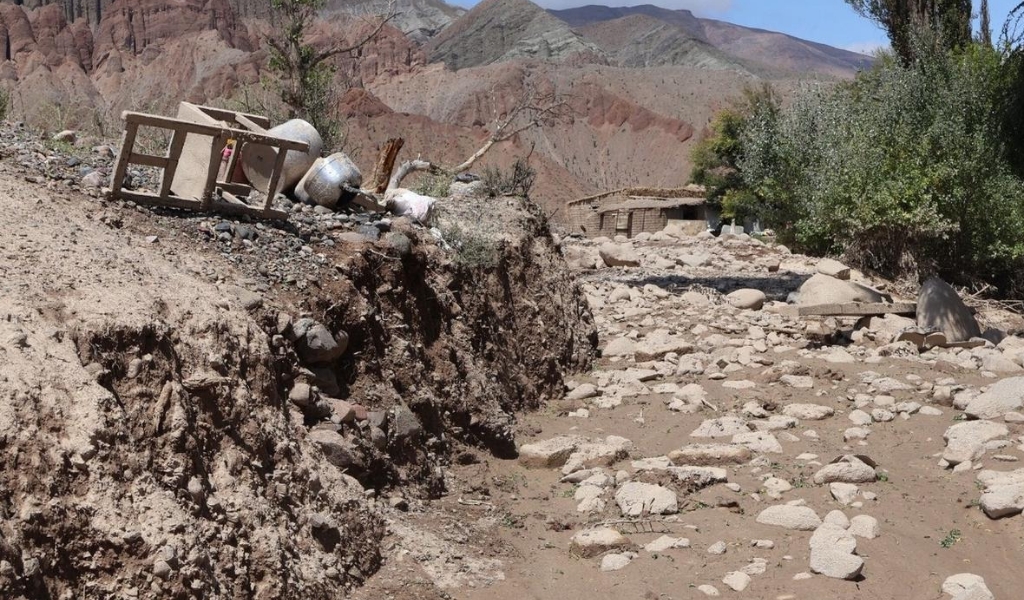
(622, 219)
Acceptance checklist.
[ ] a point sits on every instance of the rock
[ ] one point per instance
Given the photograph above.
(1004, 493)
(1002, 397)
(301, 395)
(844, 493)
(709, 591)
(940, 307)
(614, 562)
(597, 454)
(837, 518)
(666, 542)
(832, 553)
(315, 344)
(711, 454)
(162, 569)
(619, 255)
(718, 548)
(822, 289)
(864, 526)
(619, 347)
(848, 469)
(582, 392)
(67, 136)
(338, 450)
(833, 268)
(94, 180)
(637, 499)
(957, 585)
(721, 427)
(551, 453)
(761, 442)
(797, 518)
(798, 381)
(737, 580)
(808, 412)
(859, 417)
(593, 542)
(746, 299)
(658, 343)
(965, 442)
(404, 424)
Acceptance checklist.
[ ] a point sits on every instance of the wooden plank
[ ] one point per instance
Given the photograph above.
(249, 123)
(148, 160)
(857, 309)
(173, 155)
(127, 144)
(237, 189)
(219, 140)
(244, 209)
(231, 116)
(275, 176)
(165, 202)
(212, 130)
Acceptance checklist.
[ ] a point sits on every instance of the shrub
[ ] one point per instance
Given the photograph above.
(518, 182)
(903, 170)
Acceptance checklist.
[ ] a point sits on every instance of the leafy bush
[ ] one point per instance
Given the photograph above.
(904, 170)
(436, 185)
(471, 249)
(5, 103)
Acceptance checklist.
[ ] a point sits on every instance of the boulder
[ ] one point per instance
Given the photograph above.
(637, 499)
(737, 580)
(338, 450)
(848, 469)
(797, 518)
(940, 307)
(864, 526)
(808, 412)
(727, 426)
(551, 453)
(833, 268)
(315, 343)
(832, 553)
(615, 562)
(619, 255)
(761, 442)
(746, 299)
(593, 542)
(966, 586)
(711, 454)
(619, 347)
(1001, 398)
(822, 289)
(658, 343)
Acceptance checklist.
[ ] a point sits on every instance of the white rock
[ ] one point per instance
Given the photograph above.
(761, 442)
(718, 548)
(859, 417)
(636, 499)
(592, 542)
(709, 590)
(747, 299)
(1001, 398)
(666, 542)
(798, 518)
(844, 493)
(711, 454)
(849, 469)
(614, 562)
(832, 553)
(727, 426)
(864, 526)
(737, 580)
(549, 453)
(957, 585)
(809, 412)
(833, 268)
(582, 392)
(837, 518)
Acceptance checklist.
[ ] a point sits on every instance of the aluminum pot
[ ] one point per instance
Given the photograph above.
(324, 182)
(258, 161)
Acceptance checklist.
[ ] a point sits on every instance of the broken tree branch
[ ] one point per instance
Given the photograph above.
(386, 164)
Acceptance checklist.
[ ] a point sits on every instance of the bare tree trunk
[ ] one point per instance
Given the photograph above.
(386, 164)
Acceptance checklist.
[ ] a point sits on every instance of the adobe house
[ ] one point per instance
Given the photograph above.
(632, 211)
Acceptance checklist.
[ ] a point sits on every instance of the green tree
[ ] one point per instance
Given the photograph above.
(716, 156)
(305, 71)
(948, 22)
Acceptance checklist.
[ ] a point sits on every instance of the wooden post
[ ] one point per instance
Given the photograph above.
(219, 140)
(386, 164)
(173, 154)
(123, 156)
(275, 176)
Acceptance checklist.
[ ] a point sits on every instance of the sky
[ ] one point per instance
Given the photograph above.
(831, 22)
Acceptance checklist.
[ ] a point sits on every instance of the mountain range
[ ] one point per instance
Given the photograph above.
(642, 82)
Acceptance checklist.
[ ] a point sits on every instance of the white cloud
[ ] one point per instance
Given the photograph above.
(868, 48)
(699, 7)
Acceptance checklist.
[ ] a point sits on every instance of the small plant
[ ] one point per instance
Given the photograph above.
(518, 182)
(512, 521)
(5, 103)
(883, 477)
(951, 538)
(435, 185)
(472, 250)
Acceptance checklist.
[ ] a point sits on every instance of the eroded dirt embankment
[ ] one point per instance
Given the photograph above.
(165, 431)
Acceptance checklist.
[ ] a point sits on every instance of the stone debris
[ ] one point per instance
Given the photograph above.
(637, 499)
(847, 469)
(833, 553)
(797, 518)
(594, 542)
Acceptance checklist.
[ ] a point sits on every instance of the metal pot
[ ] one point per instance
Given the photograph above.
(325, 181)
(258, 161)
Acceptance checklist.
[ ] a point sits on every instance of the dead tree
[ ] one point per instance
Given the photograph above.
(533, 109)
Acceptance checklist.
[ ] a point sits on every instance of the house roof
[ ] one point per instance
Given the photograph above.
(649, 203)
(689, 191)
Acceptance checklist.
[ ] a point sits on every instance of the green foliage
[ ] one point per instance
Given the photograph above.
(716, 156)
(945, 23)
(5, 103)
(903, 170)
(517, 182)
(471, 249)
(435, 185)
(951, 539)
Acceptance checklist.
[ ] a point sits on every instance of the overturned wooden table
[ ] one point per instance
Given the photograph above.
(193, 159)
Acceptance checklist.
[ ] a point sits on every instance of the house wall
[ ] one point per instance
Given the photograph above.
(648, 220)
